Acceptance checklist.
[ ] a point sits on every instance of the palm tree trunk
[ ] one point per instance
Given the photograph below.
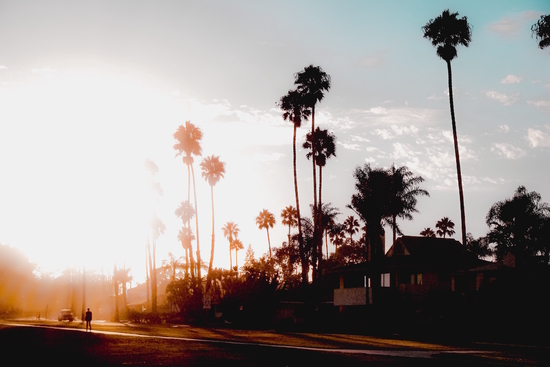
(300, 237)
(186, 261)
(115, 282)
(321, 229)
(230, 259)
(197, 226)
(316, 237)
(268, 243)
(148, 283)
(458, 171)
(212, 249)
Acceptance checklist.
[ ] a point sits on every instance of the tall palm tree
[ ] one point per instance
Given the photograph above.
(212, 170)
(295, 110)
(336, 235)
(428, 232)
(445, 227)
(266, 220)
(290, 218)
(312, 83)
(541, 30)
(237, 245)
(404, 190)
(322, 147)
(189, 137)
(230, 231)
(186, 212)
(446, 32)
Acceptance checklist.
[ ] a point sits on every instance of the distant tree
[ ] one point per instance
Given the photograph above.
(237, 245)
(445, 227)
(295, 110)
(230, 231)
(266, 220)
(446, 32)
(212, 170)
(115, 285)
(188, 138)
(336, 234)
(351, 227)
(427, 232)
(328, 216)
(479, 247)
(172, 265)
(186, 212)
(290, 218)
(404, 190)
(520, 225)
(157, 228)
(541, 30)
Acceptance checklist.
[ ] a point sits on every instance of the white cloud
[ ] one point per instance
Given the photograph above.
(403, 130)
(349, 146)
(487, 179)
(385, 134)
(3, 67)
(504, 128)
(505, 99)
(433, 97)
(508, 150)
(511, 79)
(262, 158)
(539, 138)
(379, 110)
(511, 26)
(359, 138)
(539, 104)
(44, 71)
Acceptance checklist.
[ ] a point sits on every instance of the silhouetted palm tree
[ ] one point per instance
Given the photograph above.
(312, 83)
(541, 30)
(237, 245)
(230, 231)
(295, 110)
(445, 226)
(290, 218)
(427, 232)
(171, 265)
(212, 170)
(351, 226)
(189, 137)
(186, 212)
(446, 32)
(336, 235)
(404, 190)
(328, 214)
(266, 220)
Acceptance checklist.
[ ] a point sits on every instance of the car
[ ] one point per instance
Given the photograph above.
(65, 314)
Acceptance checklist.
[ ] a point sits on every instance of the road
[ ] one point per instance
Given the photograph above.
(115, 344)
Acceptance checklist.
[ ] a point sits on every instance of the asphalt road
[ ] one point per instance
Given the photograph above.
(64, 344)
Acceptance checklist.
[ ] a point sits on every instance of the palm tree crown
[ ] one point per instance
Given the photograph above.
(445, 226)
(312, 83)
(212, 169)
(188, 137)
(541, 30)
(446, 32)
(266, 220)
(230, 231)
(427, 232)
(294, 108)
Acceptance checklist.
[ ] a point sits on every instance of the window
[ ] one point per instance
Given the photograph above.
(416, 279)
(385, 280)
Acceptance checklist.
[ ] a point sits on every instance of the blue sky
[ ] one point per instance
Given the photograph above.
(88, 90)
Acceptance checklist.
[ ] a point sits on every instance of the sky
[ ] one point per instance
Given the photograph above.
(91, 89)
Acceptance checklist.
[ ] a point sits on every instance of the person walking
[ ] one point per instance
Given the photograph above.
(88, 319)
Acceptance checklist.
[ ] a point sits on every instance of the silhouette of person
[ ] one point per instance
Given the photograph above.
(88, 319)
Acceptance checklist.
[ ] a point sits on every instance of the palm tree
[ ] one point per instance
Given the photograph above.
(185, 236)
(189, 137)
(266, 220)
(446, 32)
(115, 284)
(212, 170)
(427, 232)
(445, 226)
(290, 218)
(351, 226)
(237, 245)
(336, 235)
(322, 147)
(230, 231)
(295, 110)
(186, 212)
(404, 190)
(328, 215)
(171, 265)
(541, 30)
(312, 83)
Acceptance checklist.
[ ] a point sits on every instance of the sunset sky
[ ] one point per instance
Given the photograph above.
(90, 89)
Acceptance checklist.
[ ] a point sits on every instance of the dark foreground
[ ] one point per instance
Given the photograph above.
(62, 344)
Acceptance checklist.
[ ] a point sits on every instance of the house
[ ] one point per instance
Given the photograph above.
(413, 268)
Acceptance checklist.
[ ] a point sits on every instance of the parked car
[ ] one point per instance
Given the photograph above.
(65, 314)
